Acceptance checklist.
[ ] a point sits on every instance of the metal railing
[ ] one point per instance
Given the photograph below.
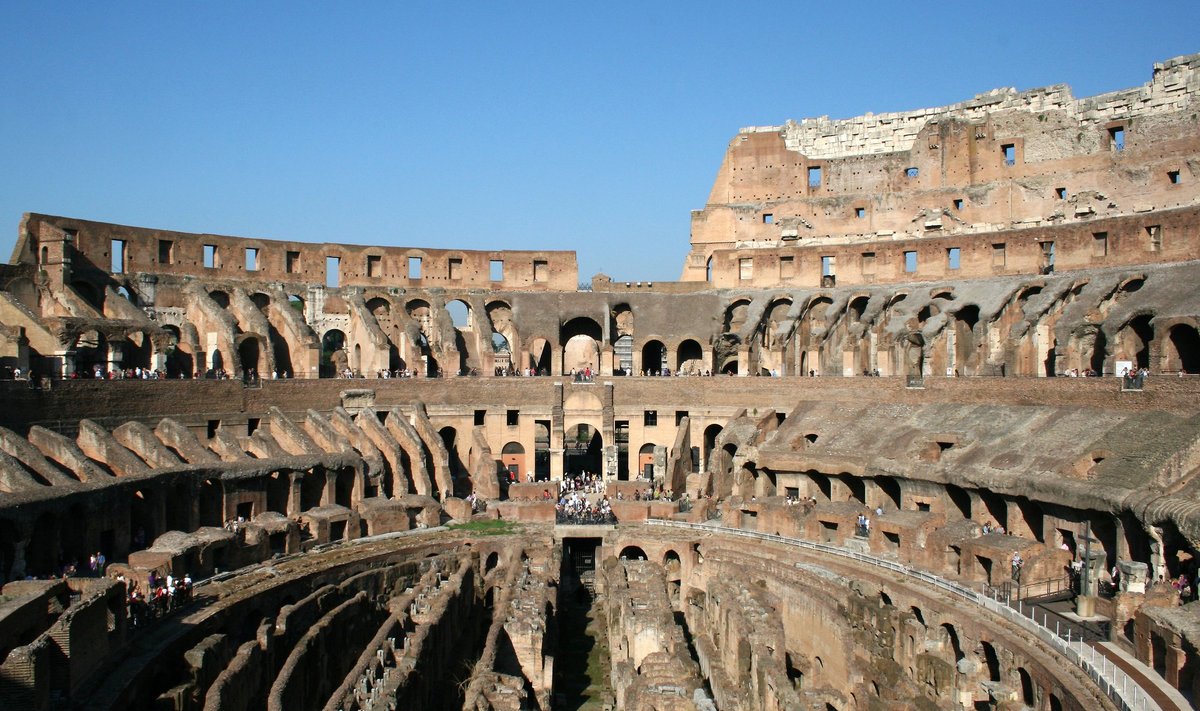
(1118, 686)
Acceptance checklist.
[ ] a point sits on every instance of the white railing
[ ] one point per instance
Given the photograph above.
(1122, 689)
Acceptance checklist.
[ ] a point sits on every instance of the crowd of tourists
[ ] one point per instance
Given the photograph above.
(507, 371)
(650, 493)
(162, 597)
(576, 508)
(584, 483)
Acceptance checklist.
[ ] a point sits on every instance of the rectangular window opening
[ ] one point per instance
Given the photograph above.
(1154, 232)
(827, 265)
(1173, 176)
(512, 417)
(454, 270)
(958, 203)
(414, 267)
(650, 417)
(211, 258)
(911, 172)
(1116, 138)
(166, 251)
(333, 272)
(479, 415)
(118, 256)
(293, 262)
(910, 261)
(745, 269)
(541, 270)
(251, 259)
(1010, 153)
(496, 270)
(680, 416)
(1048, 257)
(998, 254)
(953, 257)
(374, 266)
(1099, 244)
(1060, 193)
(814, 176)
(252, 424)
(768, 218)
(213, 426)
(860, 212)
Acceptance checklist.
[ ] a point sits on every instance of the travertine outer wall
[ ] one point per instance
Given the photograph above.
(1004, 160)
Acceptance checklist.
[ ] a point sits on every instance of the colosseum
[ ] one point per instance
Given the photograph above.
(917, 428)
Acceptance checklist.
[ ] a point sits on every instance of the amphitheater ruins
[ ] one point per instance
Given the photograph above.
(918, 428)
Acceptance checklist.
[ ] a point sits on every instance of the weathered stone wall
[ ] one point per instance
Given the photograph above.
(981, 171)
(92, 244)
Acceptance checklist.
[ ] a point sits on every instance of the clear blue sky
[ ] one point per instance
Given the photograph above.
(594, 127)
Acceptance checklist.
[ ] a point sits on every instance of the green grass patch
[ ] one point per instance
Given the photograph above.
(487, 527)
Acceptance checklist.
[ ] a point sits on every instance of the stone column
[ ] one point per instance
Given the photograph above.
(294, 485)
(556, 433)
(610, 461)
(116, 356)
(329, 495)
(660, 465)
(608, 422)
(449, 363)
(1122, 552)
(556, 463)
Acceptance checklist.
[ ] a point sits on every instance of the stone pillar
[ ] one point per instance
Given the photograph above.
(608, 422)
(606, 360)
(329, 495)
(1042, 341)
(1122, 552)
(1176, 658)
(979, 512)
(872, 493)
(660, 464)
(1133, 576)
(1017, 525)
(556, 463)
(743, 352)
(66, 359)
(706, 353)
(556, 433)
(293, 502)
(610, 461)
(116, 356)
(449, 363)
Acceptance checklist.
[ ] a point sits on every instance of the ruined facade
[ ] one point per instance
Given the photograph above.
(275, 398)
